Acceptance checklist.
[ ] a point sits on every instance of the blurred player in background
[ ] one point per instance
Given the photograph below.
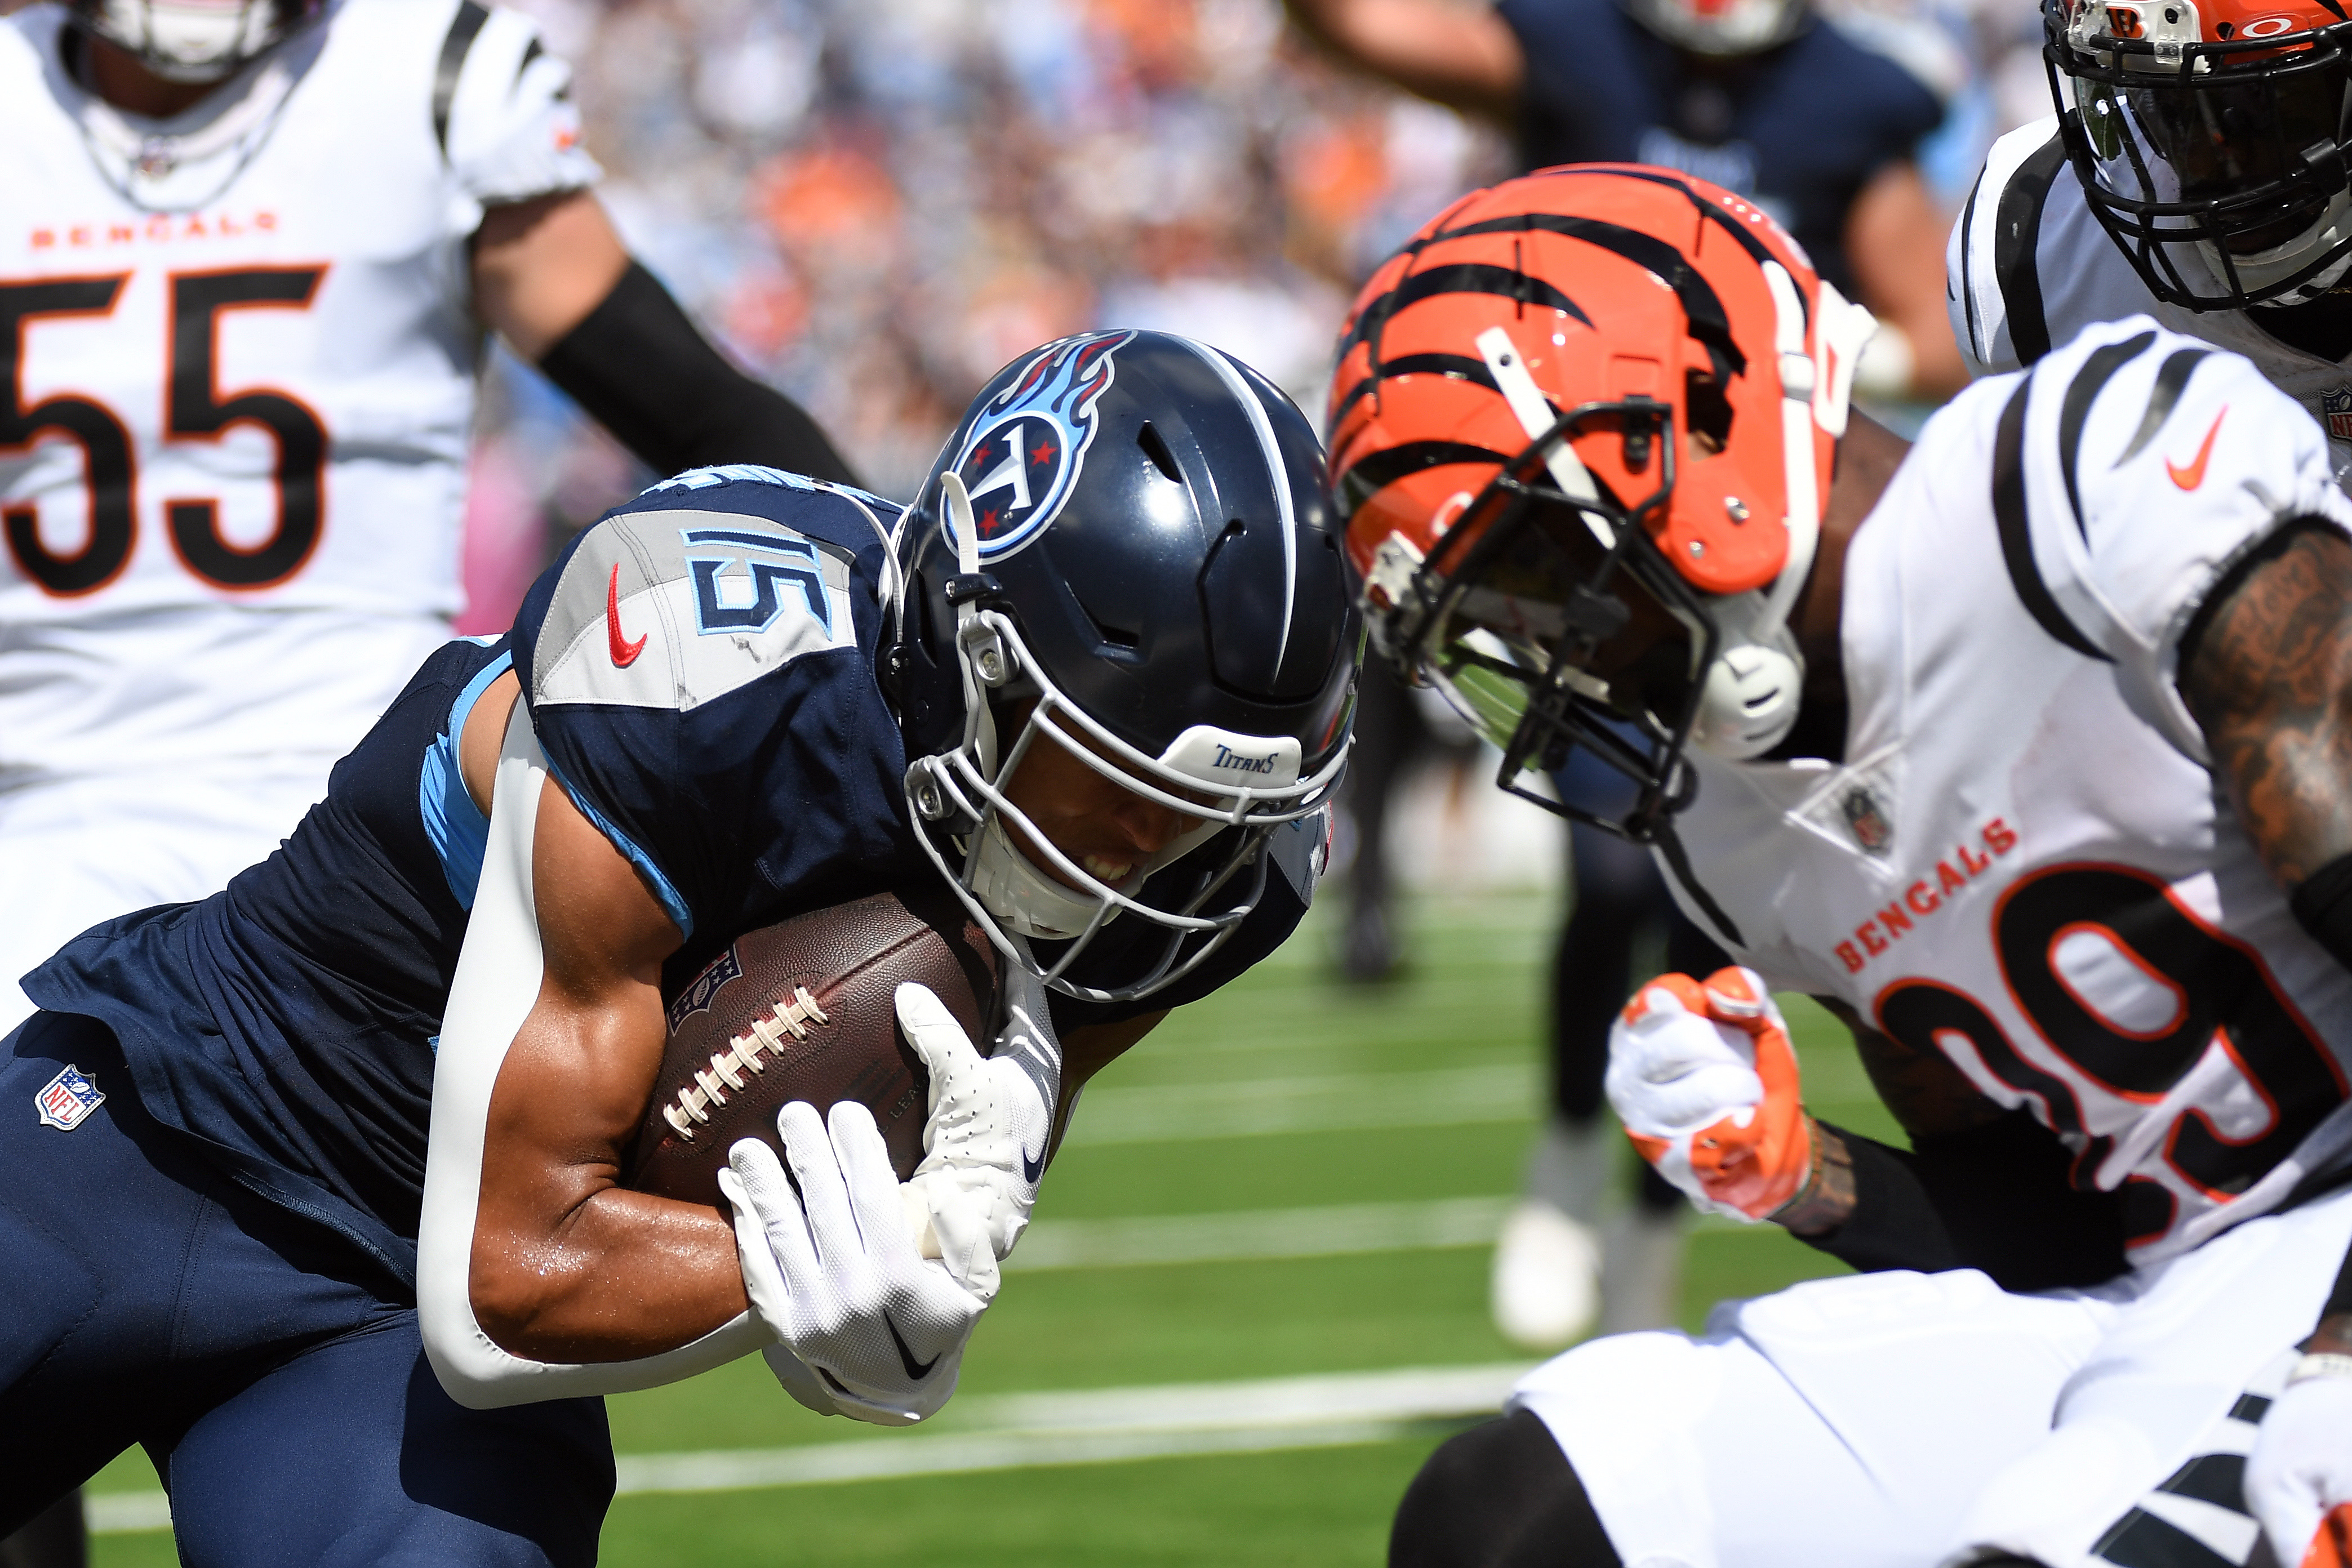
(248, 249)
(2029, 752)
(2209, 188)
(1771, 100)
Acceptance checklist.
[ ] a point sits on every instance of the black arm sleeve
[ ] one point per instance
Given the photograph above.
(1995, 1197)
(640, 369)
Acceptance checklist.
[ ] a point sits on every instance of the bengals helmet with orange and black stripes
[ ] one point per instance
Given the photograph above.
(1580, 428)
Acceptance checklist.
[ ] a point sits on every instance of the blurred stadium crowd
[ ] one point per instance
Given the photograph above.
(875, 202)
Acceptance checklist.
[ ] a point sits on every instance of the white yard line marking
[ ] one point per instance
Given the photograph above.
(1014, 1431)
(1104, 1425)
(1333, 1232)
(1337, 1102)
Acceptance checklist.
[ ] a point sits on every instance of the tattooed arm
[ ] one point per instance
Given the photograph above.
(1928, 1095)
(2266, 671)
(1980, 1187)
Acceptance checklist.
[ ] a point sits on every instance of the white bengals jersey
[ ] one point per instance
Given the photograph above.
(2028, 266)
(2027, 864)
(237, 365)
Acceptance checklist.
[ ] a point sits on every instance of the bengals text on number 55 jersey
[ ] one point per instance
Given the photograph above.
(237, 374)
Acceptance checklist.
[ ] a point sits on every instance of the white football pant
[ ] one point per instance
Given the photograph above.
(1903, 1420)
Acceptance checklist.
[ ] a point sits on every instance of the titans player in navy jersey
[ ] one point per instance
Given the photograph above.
(1097, 681)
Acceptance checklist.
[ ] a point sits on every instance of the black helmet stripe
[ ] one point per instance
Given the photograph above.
(1456, 367)
(1382, 468)
(1457, 278)
(1755, 247)
(1279, 471)
(1710, 322)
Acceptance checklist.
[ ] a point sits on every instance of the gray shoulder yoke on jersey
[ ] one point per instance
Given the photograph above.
(2028, 266)
(497, 980)
(1993, 279)
(675, 609)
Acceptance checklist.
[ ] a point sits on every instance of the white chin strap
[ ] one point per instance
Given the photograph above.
(1030, 902)
(1757, 683)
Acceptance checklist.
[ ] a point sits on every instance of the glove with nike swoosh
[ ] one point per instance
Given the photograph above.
(991, 1118)
(865, 1325)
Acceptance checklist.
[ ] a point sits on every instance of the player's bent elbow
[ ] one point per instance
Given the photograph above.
(514, 1304)
(473, 1369)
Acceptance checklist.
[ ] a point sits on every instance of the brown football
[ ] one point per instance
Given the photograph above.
(804, 1010)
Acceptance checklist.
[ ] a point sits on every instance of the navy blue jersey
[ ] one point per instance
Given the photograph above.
(700, 671)
(1799, 128)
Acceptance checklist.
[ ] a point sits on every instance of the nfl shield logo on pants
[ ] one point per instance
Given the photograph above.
(68, 1098)
(2335, 412)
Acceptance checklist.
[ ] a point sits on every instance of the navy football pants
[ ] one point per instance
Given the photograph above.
(273, 1375)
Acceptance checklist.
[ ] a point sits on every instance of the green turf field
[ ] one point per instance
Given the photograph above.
(1392, 1111)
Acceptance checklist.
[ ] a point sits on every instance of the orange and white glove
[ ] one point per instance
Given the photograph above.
(1704, 1079)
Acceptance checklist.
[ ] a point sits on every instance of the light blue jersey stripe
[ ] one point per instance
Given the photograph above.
(453, 822)
(672, 904)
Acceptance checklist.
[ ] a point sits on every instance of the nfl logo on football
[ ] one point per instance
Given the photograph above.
(2335, 412)
(65, 1100)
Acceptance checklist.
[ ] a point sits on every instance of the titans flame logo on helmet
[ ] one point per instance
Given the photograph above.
(1021, 459)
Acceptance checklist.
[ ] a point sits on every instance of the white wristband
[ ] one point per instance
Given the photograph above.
(2320, 1363)
(1886, 365)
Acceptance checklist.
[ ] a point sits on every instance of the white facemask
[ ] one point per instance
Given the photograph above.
(189, 40)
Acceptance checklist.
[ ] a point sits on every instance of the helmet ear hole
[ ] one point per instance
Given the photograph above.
(1707, 410)
(1155, 447)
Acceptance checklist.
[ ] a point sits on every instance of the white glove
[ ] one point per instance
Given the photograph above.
(1702, 1074)
(2300, 1471)
(835, 1274)
(991, 1118)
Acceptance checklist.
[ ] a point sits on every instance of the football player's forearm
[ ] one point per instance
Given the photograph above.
(1826, 1201)
(1994, 1198)
(2266, 671)
(620, 1276)
(568, 1265)
(637, 363)
(1463, 54)
(1895, 234)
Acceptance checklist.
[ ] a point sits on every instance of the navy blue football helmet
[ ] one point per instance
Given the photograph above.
(1124, 551)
